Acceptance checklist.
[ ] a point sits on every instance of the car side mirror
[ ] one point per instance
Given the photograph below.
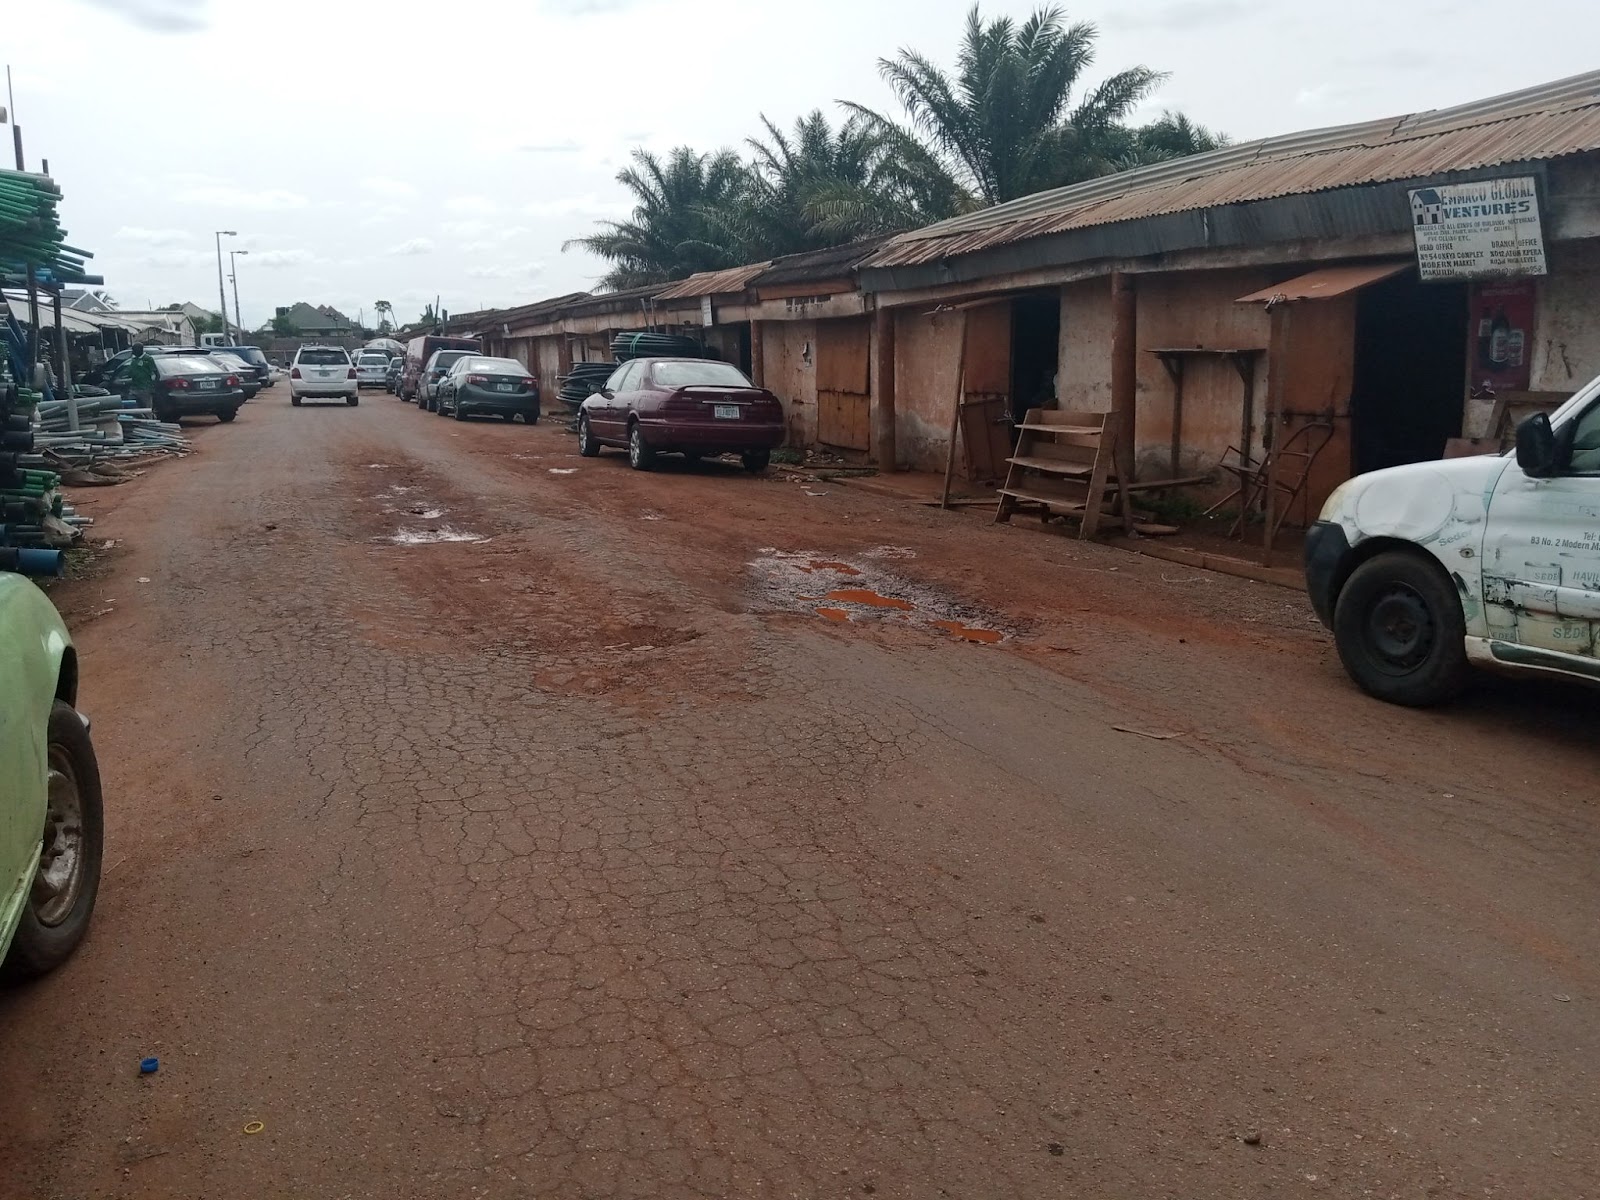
(606, 393)
(1536, 447)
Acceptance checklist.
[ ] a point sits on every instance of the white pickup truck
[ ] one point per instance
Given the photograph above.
(1425, 571)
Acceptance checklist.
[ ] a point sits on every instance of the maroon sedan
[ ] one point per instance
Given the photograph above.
(687, 406)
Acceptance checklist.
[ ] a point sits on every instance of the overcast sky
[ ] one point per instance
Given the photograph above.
(398, 150)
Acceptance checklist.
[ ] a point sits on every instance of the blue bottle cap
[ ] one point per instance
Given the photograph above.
(148, 1066)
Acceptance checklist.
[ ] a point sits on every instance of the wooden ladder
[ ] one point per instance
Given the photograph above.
(1063, 465)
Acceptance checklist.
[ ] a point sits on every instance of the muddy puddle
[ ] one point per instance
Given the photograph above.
(421, 520)
(865, 592)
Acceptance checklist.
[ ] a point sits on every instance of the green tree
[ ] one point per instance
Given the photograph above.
(385, 312)
(816, 186)
(1006, 124)
(429, 318)
(1172, 135)
(675, 229)
(283, 325)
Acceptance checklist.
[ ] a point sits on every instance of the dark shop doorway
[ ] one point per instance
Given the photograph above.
(1410, 371)
(1035, 350)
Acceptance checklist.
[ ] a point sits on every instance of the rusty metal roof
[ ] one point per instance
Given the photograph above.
(1326, 282)
(713, 283)
(836, 262)
(1539, 123)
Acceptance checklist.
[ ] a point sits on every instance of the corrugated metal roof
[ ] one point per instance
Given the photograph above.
(713, 283)
(1326, 282)
(836, 262)
(1540, 123)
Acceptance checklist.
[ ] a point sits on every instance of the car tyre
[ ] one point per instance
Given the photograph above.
(227, 415)
(588, 444)
(354, 400)
(1400, 631)
(756, 461)
(458, 412)
(640, 456)
(53, 924)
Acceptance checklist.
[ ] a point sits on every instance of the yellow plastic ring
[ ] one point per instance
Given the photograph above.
(254, 1127)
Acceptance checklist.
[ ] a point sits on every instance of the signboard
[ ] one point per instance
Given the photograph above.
(1502, 336)
(1478, 230)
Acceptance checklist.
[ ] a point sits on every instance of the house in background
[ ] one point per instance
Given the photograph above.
(83, 300)
(319, 321)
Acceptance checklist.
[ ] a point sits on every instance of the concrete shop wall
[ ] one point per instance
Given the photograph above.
(927, 355)
(789, 365)
(1194, 309)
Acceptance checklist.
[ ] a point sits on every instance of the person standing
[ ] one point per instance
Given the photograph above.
(142, 377)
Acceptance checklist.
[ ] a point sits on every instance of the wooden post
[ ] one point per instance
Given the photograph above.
(883, 418)
(955, 417)
(758, 355)
(1124, 370)
(1277, 372)
(63, 359)
(1245, 364)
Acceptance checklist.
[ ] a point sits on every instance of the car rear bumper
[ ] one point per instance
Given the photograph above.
(711, 436)
(192, 405)
(471, 399)
(344, 387)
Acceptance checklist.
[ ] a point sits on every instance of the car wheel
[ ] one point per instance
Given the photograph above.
(458, 412)
(756, 460)
(227, 415)
(692, 457)
(588, 444)
(295, 400)
(354, 400)
(1400, 631)
(68, 877)
(640, 456)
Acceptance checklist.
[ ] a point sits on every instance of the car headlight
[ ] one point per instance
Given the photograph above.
(1342, 495)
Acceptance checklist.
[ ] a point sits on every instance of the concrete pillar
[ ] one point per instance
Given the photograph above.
(758, 366)
(1124, 367)
(883, 416)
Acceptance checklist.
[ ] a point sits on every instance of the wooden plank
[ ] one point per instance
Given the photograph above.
(1050, 466)
(955, 415)
(843, 355)
(985, 435)
(844, 419)
(1043, 418)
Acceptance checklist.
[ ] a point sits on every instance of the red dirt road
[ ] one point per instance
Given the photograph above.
(589, 859)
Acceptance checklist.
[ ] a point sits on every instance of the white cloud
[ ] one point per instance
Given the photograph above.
(466, 228)
(226, 195)
(153, 237)
(586, 205)
(175, 257)
(522, 271)
(159, 16)
(493, 236)
(382, 186)
(472, 204)
(382, 213)
(275, 259)
(414, 246)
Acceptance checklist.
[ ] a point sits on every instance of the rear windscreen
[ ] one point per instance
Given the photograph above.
(374, 360)
(448, 358)
(497, 366)
(325, 358)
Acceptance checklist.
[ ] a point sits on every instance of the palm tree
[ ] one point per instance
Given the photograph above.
(673, 231)
(1005, 125)
(1172, 135)
(385, 312)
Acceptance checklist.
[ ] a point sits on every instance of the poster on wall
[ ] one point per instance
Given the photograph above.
(1484, 230)
(1502, 335)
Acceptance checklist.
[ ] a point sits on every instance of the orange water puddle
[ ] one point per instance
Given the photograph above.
(871, 599)
(838, 568)
(835, 614)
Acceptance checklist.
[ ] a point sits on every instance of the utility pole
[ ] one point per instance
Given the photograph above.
(238, 317)
(222, 292)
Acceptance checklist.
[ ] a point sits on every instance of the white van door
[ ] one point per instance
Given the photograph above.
(1541, 551)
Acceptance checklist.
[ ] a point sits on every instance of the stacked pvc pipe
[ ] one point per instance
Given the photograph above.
(35, 521)
(627, 346)
(30, 234)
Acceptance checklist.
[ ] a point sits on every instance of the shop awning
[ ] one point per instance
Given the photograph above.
(1326, 282)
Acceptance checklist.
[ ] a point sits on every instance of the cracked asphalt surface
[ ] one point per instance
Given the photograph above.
(579, 858)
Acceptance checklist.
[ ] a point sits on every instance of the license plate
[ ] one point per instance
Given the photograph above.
(207, 385)
(323, 374)
(725, 412)
(505, 387)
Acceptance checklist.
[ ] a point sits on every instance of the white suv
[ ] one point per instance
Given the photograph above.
(323, 373)
(372, 366)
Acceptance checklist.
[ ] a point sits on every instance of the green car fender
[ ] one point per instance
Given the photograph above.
(37, 667)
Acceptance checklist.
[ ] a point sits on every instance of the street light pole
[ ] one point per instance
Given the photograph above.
(238, 317)
(222, 293)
